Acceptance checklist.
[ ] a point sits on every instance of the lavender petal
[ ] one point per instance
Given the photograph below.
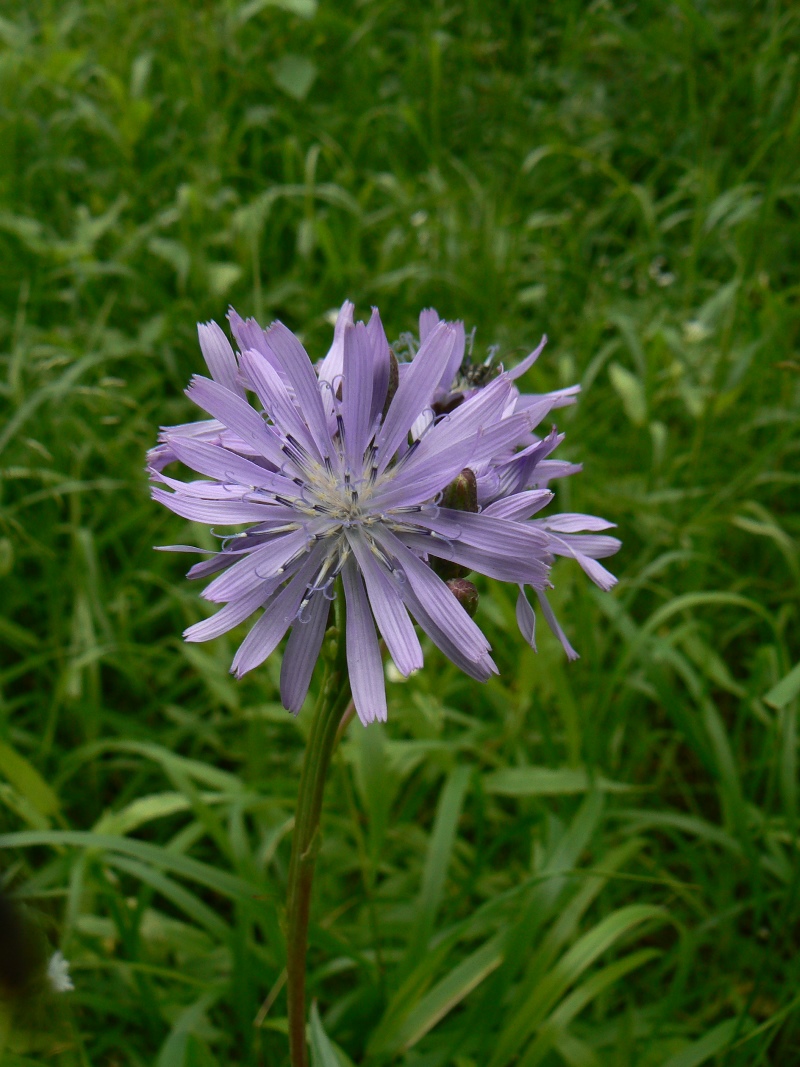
(380, 364)
(217, 462)
(215, 512)
(390, 614)
(273, 394)
(415, 391)
(526, 618)
(262, 564)
(294, 360)
(436, 599)
(279, 613)
(520, 506)
(356, 393)
(302, 652)
(228, 617)
(570, 522)
(331, 367)
(237, 415)
(528, 362)
(363, 654)
(219, 357)
(553, 623)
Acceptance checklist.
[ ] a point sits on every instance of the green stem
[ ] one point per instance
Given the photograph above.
(331, 704)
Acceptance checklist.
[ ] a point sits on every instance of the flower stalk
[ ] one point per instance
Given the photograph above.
(331, 705)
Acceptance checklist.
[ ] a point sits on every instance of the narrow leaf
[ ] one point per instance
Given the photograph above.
(27, 780)
(704, 1048)
(322, 1050)
(546, 781)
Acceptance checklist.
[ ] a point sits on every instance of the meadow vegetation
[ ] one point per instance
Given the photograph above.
(578, 864)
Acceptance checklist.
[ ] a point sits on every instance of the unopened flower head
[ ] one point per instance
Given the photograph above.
(342, 472)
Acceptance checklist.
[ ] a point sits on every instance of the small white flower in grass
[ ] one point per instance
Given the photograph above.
(58, 973)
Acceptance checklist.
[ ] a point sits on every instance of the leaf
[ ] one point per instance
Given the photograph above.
(304, 8)
(711, 313)
(692, 600)
(141, 811)
(222, 277)
(705, 1047)
(173, 253)
(547, 782)
(176, 894)
(732, 206)
(173, 1051)
(630, 391)
(22, 807)
(541, 999)
(220, 881)
(785, 690)
(295, 75)
(205, 773)
(213, 669)
(440, 848)
(444, 996)
(549, 1032)
(27, 780)
(377, 786)
(323, 1053)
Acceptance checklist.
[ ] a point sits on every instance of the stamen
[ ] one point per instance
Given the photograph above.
(287, 527)
(265, 577)
(410, 509)
(408, 453)
(345, 553)
(302, 616)
(226, 541)
(294, 454)
(442, 539)
(407, 527)
(296, 444)
(383, 556)
(297, 555)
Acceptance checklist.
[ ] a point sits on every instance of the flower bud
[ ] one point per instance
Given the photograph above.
(465, 593)
(462, 493)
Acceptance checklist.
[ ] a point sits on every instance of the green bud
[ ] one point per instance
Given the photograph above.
(465, 593)
(462, 493)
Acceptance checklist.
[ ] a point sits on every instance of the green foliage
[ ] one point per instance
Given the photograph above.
(578, 864)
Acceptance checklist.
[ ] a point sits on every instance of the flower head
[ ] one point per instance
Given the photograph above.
(342, 471)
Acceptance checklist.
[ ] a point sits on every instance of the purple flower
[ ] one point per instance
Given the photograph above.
(340, 472)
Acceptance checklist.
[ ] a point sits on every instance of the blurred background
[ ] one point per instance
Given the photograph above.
(577, 864)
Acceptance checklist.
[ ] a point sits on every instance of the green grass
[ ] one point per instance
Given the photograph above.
(587, 864)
